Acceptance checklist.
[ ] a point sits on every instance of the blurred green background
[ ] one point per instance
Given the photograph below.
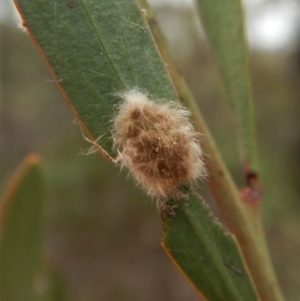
(102, 233)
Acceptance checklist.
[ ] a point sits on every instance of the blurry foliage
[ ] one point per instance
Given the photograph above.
(100, 236)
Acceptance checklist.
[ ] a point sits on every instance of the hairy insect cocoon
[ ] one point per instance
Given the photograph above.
(157, 143)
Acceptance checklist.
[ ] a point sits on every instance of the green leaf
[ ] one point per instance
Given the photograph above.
(21, 233)
(96, 49)
(206, 254)
(223, 22)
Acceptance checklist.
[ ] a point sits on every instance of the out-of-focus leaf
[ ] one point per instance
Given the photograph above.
(206, 254)
(223, 22)
(96, 49)
(21, 233)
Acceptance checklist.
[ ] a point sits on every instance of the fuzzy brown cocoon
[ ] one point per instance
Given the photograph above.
(157, 143)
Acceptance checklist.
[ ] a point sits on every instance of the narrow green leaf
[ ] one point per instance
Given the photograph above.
(21, 233)
(223, 22)
(96, 49)
(206, 254)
